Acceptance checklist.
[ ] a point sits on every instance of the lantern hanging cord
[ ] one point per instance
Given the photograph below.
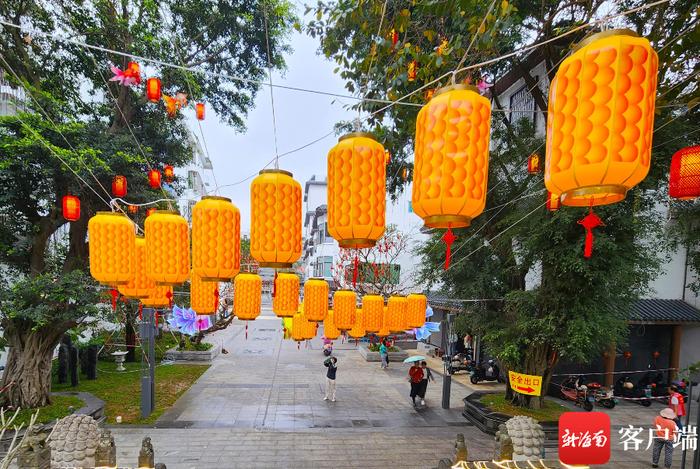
(369, 66)
(145, 204)
(272, 94)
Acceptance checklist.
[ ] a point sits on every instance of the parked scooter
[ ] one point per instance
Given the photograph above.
(459, 362)
(625, 388)
(603, 396)
(572, 390)
(486, 373)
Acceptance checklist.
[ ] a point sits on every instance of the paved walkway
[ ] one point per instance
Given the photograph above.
(261, 405)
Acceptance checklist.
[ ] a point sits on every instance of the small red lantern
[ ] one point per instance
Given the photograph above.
(71, 208)
(199, 108)
(656, 354)
(119, 186)
(553, 202)
(133, 69)
(154, 179)
(133, 209)
(533, 164)
(150, 211)
(153, 92)
(169, 173)
(684, 176)
(412, 70)
(387, 156)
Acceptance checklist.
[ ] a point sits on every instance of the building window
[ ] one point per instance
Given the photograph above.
(522, 105)
(323, 235)
(323, 266)
(191, 179)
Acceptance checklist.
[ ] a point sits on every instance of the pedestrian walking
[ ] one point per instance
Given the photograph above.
(415, 376)
(331, 364)
(676, 403)
(427, 376)
(384, 354)
(666, 430)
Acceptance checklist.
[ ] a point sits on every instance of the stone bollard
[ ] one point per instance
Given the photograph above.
(34, 452)
(146, 455)
(461, 453)
(106, 453)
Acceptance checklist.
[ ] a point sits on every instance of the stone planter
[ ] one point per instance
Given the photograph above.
(394, 357)
(194, 356)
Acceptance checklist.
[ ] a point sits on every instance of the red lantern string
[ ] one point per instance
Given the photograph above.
(155, 316)
(274, 284)
(448, 238)
(169, 296)
(355, 269)
(115, 295)
(216, 299)
(589, 222)
(140, 311)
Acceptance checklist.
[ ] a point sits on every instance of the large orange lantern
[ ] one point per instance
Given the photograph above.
(601, 119)
(204, 295)
(344, 304)
(299, 327)
(451, 165)
(416, 305)
(216, 239)
(310, 328)
(153, 89)
(329, 330)
(384, 330)
(167, 247)
(275, 225)
(154, 179)
(119, 186)
(160, 297)
(396, 308)
(112, 248)
(247, 292)
(71, 207)
(356, 191)
(358, 328)
(315, 299)
(372, 312)
(286, 299)
(684, 177)
(140, 285)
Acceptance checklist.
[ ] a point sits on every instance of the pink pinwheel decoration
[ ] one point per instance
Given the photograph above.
(483, 85)
(129, 77)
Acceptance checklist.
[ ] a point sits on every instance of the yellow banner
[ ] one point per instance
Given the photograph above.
(525, 384)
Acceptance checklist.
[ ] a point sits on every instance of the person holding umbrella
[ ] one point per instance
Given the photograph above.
(427, 376)
(415, 376)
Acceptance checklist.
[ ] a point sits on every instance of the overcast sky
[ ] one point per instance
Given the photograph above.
(301, 118)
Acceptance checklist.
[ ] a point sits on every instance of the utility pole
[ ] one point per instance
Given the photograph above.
(147, 330)
(445, 328)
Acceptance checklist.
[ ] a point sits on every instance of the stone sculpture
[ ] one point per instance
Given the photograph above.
(520, 439)
(74, 441)
(34, 452)
(106, 454)
(146, 455)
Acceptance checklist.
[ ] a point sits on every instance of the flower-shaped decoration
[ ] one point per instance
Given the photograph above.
(187, 322)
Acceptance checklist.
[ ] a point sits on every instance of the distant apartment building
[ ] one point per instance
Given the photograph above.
(197, 177)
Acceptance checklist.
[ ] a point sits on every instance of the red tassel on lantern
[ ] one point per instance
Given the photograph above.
(169, 296)
(71, 207)
(355, 269)
(119, 186)
(448, 238)
(274, 284)
(115, 294)
(589, 222)
(216, 299)
(199, 108)
(154, 179)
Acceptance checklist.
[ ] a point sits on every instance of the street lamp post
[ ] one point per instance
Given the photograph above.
(148, 358)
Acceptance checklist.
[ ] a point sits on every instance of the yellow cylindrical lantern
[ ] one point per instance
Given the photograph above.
(286, 300)
(416, 304)
(247, 293)
(396, 313)
(344, 304)
(450, 172)
(275, 225)
(315, 299)
(204, 295)
(140, 285)
(329, 330)
(160, 297)
(356, 191)
(167, 247)
(358, 329)
(112, 248)
(384, 330)
(600, 119)
(216, 239)
(310, 328)
(372, 311)
(299, 323)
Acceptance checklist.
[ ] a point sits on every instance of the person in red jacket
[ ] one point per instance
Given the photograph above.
(415, 376)
(676, 403)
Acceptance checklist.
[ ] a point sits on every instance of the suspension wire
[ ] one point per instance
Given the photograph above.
(272, 94)
(473, 40)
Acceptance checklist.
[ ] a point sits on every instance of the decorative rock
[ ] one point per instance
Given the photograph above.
(34, 452)
(69, 435)
(146, 455)
(106, 453)
(520, 439)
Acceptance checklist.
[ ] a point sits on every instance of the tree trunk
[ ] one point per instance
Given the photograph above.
(536, 363)
(28, 372)
(130, 341)
(77, 257)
